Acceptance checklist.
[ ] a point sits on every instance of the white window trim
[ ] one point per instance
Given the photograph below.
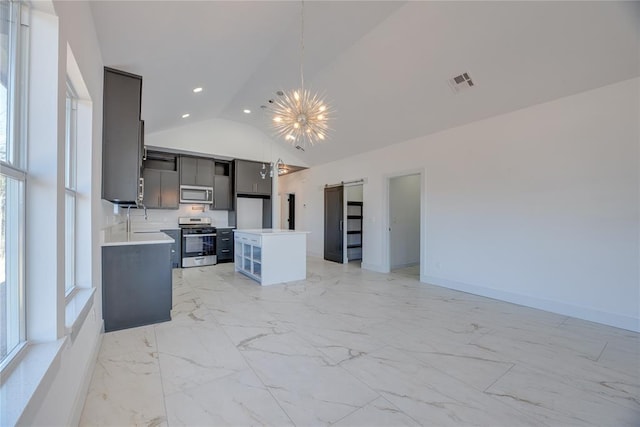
(70, 184)
(14, 167)
(36, 364)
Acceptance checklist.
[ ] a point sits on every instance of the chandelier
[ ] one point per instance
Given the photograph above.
(299, 116)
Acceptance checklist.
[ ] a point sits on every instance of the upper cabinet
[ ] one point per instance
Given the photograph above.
(161, 180)
(222, 186)
(196, 171)
(122, 137)
(249, 179)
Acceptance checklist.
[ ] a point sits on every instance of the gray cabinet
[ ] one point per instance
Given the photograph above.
(249, 178)
(170, 190)
(196, 171)
(175, 247)
(224, 244)
(160, 189)
(161, 181)
(222, 186)
(122, 134)
(152, 188)
(136, 285)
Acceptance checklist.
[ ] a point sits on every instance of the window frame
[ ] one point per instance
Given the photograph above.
(71, 133)
(14, 166)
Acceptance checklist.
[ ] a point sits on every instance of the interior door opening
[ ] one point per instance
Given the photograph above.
(353, 224)
(292, 211)
(404, 225)
(288, 211)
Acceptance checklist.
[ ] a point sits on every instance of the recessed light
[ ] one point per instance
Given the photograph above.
(246, 111)
(184, 116)
(197, 90)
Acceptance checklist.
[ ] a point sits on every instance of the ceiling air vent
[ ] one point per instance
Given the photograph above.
(461, 82)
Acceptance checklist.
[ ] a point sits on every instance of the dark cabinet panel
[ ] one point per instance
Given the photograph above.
(160, 189)
(249, 178)
(222, 193)
(152, 188)
(175, 247)
(204, 172)
(136, 285)
(246, 173)
(224, 244)
(122, 134)
(264, 185)
(170, 191)
(188, 170)
(196, 171)
(222, 186)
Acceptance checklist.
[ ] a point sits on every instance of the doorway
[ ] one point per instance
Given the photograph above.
(353, 195)
(288, 212)
(334, 223)
(404, 224)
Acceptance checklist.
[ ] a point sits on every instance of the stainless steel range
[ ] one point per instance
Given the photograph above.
(198, 241)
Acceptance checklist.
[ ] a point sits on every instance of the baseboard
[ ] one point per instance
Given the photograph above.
(81, 396)
(610, 319)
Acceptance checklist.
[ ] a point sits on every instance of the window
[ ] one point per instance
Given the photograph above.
(12, 178)
(70, 190)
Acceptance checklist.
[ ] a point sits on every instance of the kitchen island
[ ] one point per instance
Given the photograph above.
(271, 256)
(136, 278)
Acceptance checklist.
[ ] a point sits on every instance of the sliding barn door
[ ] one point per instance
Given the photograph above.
(333, 217)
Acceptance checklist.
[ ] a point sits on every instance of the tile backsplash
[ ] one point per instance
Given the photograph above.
(170, 216)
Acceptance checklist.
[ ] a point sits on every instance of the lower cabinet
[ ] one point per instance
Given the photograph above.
(248, 255)
(175, 247)
(136, 285)
(270, 256)
(224, 244)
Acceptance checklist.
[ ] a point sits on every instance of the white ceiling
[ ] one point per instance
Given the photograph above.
(383, 65)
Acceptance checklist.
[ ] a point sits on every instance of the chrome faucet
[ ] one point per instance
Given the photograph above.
(129, 215)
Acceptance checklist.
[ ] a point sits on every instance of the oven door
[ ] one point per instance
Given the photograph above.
(198, 249)
(195, 245)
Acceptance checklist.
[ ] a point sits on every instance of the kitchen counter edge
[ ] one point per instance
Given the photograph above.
(270, 231)
(123, 238)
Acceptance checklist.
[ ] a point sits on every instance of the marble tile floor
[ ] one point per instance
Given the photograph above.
(356, 348)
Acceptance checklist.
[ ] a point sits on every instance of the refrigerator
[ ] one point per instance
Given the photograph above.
(253, 213)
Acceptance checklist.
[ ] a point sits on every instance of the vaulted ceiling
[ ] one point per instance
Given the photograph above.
(385, 66)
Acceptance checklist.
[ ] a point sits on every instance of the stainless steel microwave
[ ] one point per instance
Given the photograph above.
(196, 194)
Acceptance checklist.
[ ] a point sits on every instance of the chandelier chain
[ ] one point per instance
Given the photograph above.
(302, 46)
(300, 116)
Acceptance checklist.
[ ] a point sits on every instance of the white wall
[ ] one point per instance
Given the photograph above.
(223, 138)
(404, 220)
(539, 206)
(59, 400)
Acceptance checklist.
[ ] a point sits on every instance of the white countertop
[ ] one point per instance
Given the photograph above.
(121, 238)
(271, 231)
